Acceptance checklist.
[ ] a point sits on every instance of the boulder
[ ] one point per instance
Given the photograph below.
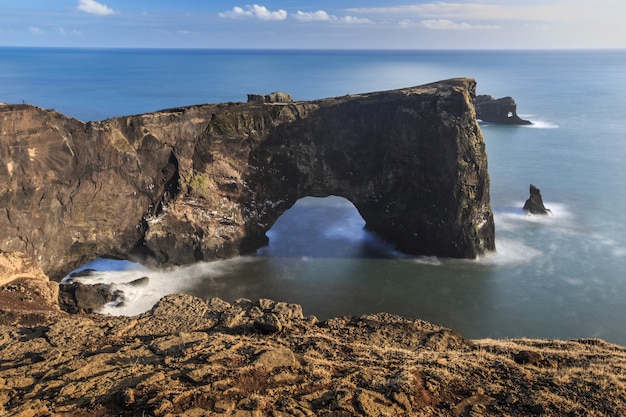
(501, 111)
(77, 297)
(534, 204)
(207, 182)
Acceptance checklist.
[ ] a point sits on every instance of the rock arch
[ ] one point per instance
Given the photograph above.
(206, 182)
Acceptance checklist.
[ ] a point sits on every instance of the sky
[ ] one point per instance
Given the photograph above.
(325, 24)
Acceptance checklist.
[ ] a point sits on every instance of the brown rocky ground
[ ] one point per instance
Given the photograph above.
(193, 357)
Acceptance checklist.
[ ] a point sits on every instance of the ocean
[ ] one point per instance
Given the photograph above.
(560, 276)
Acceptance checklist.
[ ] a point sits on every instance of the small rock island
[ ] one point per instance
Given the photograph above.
(534, 204)
(498, 110)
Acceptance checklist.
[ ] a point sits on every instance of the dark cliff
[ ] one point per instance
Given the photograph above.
(206, 182)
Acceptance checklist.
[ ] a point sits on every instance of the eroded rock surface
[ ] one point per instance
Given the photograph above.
(206, 182)
(193, 357)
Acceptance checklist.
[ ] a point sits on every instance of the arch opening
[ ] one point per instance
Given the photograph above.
(319, 227)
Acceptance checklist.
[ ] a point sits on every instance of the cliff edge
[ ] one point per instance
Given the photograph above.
(206, 182)
(193, 357)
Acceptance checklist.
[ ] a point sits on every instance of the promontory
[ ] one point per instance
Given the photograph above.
(206, 182)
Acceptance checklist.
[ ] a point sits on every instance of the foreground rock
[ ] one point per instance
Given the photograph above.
(498, 110)
(534, 204)
(27, 296)
(206, 182)
(193, 357)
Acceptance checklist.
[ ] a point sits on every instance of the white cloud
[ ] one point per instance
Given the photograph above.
(35, 30)
(319, 15)
(93, 7)
(322, 16)
(446, 24)
(254, 11)
(356, 20)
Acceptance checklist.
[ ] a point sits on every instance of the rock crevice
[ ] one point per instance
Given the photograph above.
(206, 182)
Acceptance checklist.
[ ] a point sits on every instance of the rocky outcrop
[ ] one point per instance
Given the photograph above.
(534, 204)
(501, 111)
(77, 297)
(276, 97)
(206, 182)
(194, 357)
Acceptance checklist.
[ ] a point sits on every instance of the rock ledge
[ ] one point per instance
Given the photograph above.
(193, 357)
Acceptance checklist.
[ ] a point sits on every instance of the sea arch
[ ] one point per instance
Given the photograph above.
(416, 173)
(207, 182)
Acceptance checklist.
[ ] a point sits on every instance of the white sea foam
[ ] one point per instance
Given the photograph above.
(514, 216)
(509, 252)
(538, 124)
(425, 260)
(541, 124)
(137, 299)
(350, 231)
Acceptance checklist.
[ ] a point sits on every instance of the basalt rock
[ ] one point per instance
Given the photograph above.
(534, 204)
(77, 297)
(194, 357)
(206, 182)
(502, 110)
(276, 97)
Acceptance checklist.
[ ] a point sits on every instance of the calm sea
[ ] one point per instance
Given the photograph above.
(562, 276)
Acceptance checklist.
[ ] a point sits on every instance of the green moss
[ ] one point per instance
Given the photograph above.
(196, 183)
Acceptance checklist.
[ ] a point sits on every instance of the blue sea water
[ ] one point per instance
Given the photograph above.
(561, 276)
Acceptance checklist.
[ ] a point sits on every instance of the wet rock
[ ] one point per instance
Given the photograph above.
(534, 204)
(78, 297)
(83, 273)
(139, 282)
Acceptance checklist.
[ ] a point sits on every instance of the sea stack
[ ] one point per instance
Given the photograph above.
(534, 204)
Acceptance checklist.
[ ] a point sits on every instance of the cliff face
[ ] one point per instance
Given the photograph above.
(206, 182)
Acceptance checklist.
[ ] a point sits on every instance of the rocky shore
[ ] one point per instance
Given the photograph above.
(196, 357)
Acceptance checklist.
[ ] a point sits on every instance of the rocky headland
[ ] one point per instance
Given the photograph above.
(206, 182)
(193, 357)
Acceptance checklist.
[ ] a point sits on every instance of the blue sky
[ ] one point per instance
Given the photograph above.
(369, 24)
